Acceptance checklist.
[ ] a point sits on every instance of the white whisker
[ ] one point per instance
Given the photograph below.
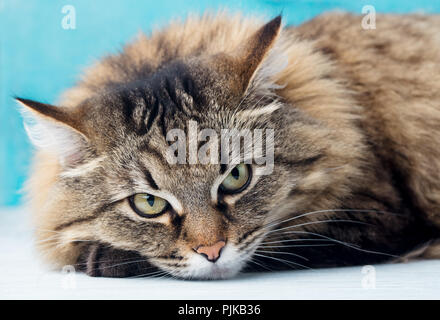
(252, 260)
(317, 222)
(282, 260)
(299, 246)
(328, 210)
(285, 253)
(350, 245)
(290, 240)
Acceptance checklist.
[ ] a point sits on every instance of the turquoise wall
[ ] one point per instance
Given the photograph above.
(39, 59)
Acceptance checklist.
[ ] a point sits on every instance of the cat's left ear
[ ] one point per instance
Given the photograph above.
(55, 129)
(255, 61)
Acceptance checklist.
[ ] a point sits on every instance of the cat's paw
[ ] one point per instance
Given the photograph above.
(99, 260)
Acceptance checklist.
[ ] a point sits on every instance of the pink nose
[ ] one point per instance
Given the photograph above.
(212, 253)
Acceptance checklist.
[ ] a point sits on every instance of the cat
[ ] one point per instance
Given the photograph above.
(356, 177)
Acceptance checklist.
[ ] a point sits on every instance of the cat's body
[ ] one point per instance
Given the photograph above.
(356, 115)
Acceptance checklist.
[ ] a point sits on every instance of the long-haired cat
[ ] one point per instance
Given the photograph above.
(356, 176)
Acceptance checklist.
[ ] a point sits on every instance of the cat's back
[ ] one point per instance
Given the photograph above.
(394, 73)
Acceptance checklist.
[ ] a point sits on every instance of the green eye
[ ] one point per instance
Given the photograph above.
(147, 205)
(237, 180)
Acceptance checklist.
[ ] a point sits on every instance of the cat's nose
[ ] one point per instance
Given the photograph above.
(212, 253)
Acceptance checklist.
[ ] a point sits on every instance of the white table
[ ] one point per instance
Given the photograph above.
(22, 276)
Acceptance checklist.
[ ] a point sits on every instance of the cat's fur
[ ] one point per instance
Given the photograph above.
(356, 115)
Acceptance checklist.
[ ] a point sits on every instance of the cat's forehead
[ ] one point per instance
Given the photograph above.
(178, 88)
(173, 97)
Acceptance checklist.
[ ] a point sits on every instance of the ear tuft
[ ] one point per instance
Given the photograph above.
(49, 111)
(253, 65)
(251, 55)
(49, 128)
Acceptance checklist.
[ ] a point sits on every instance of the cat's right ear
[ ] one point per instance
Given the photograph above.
(253, 65)
(55, 129)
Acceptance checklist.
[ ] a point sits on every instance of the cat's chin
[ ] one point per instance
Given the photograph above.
(227, 266)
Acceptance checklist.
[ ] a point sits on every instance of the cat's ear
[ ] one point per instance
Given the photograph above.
(255, 61)
(54, 129)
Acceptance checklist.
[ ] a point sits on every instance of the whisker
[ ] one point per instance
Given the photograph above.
(52, 238)
(114, 265)
(318, 222)
(165, 274)
(287, 262)
(47, 230)
(104, 261)
(124, 263)
(271, 224)
(299, 246)
(150, 274)
(281, 252)
(290, 240)
(347, 244)
(252, 260)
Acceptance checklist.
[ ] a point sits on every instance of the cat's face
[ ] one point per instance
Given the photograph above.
(191, 220)
(117, 186)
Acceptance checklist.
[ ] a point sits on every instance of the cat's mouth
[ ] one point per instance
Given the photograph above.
(227, 266)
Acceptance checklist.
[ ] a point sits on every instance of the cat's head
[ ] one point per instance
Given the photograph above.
(117, 183)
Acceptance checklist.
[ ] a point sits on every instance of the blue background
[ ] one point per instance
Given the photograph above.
(39, 59)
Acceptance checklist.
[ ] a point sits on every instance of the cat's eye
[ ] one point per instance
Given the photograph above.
(237, 180)
(148, 205)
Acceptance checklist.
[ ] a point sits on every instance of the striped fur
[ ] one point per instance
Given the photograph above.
(357, 153)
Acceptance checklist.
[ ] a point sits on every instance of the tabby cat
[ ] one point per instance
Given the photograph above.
(356, 176)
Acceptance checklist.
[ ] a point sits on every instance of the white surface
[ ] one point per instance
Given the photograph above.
(23, 277)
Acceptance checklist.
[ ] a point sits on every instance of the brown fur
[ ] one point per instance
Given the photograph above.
(361, 132)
